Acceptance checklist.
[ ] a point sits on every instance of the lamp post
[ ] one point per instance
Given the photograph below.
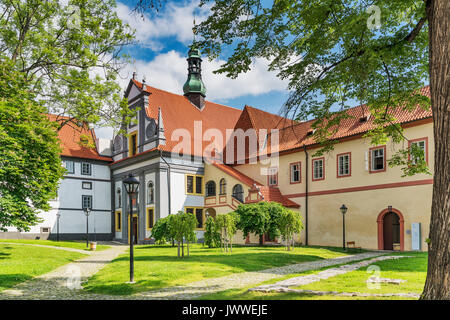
(343, 210)
(132, 187)
(87, 211)
(58, 215)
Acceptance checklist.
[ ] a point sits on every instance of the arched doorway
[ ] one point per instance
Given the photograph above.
(390, 229)
(210, 212)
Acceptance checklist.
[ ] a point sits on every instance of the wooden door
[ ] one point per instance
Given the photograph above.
(388, 231)
(135, 229)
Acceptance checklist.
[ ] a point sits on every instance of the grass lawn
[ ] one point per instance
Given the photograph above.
(158, 266)
(411, 269)
(66, 244)
(19, 263)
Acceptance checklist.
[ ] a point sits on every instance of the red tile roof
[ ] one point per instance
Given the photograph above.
(179, 113)
(273, 194)
(236, 174)
(270, 194)
(295, 136)
(70, 134)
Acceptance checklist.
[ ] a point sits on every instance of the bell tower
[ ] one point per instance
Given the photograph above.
(194, 88)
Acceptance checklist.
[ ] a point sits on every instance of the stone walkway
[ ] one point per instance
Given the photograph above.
(241, 280)
(65, 282)
(350, 294)
(326, 274)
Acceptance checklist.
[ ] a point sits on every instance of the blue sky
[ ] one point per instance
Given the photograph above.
(160, 54)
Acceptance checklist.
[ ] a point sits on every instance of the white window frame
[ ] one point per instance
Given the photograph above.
(315, 166)
(372, 156)
(66, 166)
(343, 166)
(89, 165)
(85, 197)
(424, 149)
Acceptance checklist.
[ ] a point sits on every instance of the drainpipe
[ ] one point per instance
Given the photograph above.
(168, 178)
(306, 196)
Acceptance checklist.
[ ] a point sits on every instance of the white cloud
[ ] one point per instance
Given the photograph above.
(173, 21)
(168, 71)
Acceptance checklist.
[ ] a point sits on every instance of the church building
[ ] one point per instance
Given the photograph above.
(193, 155)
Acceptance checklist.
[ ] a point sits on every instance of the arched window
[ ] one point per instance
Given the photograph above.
(210, 188)
(119, 198)
(150, 193)
(238, 192)
(223, 186)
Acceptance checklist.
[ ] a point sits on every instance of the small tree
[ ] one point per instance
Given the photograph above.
(189, 224)
(176, 229)
(161, 231)
(289, 223)
(212, 236)
(226, 224)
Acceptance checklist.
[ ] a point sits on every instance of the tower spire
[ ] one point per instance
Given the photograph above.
(194, 88)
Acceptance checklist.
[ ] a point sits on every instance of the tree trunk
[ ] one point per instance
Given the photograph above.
(178, 245)
(437, 285)
(182, 248)
(187, 245)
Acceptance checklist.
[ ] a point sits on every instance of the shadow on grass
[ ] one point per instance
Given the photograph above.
(7, 281)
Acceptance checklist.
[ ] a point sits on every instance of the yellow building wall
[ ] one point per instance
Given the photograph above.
(324, 218)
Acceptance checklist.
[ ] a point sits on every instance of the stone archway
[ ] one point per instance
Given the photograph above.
(387, 219)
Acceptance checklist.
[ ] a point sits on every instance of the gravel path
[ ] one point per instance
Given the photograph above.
(65, 281)
(241, 280)
(280, 286)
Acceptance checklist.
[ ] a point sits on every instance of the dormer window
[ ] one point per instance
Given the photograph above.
(364, 119)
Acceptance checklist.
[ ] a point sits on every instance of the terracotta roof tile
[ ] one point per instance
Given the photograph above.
(179, 113)
(236, 174)
(273, 194)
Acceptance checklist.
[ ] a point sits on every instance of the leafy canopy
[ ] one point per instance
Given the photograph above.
(30, 166)
(70, 55)
(332, 53)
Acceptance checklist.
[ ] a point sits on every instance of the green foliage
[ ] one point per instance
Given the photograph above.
(182, 227)
(70, 54)
(227, 225)
(161, 230)
(332, 54)
(212, 236)
(253, 218)
(289, 224)
(30, 166)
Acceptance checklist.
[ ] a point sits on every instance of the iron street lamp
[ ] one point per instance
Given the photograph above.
(132, 187)
(58, 215)
(343, 209)
(87, 211)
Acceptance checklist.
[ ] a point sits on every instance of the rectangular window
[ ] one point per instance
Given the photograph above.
(199, 185)
(377, 156)
(343, 165)
(318, 169)
(86, 202)
(133, 144)
(150, 218)
(86, 185)
(70, 166)
(86, 168)
(422, 144)
(118, 221)
(194, 184)
(295, 172)
(199, 216)
(189, 184)
(272, 176)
